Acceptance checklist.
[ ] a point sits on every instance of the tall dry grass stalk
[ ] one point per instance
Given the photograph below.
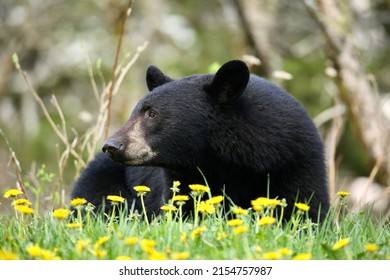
(81, 147)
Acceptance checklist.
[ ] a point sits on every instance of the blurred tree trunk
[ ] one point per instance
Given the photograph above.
(257, 19)
(355, 89)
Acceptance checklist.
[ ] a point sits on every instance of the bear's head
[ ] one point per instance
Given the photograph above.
(172, 124)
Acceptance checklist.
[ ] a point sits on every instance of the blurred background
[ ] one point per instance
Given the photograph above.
(328, 54)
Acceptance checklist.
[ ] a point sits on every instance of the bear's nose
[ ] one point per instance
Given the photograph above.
(111, 146)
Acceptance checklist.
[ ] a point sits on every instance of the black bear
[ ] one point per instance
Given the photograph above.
(247, 137)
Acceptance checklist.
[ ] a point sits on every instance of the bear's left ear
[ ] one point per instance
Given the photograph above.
(155, 78)
(229, 82)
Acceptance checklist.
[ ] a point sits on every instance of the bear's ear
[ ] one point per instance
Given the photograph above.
(229, 82)
(155, 78)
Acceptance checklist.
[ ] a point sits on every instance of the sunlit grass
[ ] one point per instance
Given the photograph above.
(213, 232)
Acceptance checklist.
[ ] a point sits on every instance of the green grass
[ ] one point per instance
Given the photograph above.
(207, 236)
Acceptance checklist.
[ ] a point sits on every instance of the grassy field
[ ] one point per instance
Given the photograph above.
(255, 233)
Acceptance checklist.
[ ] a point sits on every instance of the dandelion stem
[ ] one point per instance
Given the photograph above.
(181, 218)
(196, 207)
(296, 220)
(114, 204)
(281, 217)
(144, 210)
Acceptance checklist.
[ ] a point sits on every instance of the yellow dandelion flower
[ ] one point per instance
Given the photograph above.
(131, 240)
(141, 189)
(176, 184)
(235, 222)
(102, 240)
(48, 255)
(263, 201)
(74, 225)
(302, 257)
(343, 194)
(156, 256)
(240, 211)
(266, 202)
(221, 235)
(61, 213)
(24, 209)
(274, 202)
(168, 208)
(180, 256)
(21, 201)
(99, 253)
(7, 255)
(180, 198)
(240, 230)
(78, 201)
(341, 243)
(115, 198)
(273, 255)
(388, 257)
(148, 242)
(82, 245)
(34, 250)
(12, 193)
(266, 221)
(302, 206)
(199, 188)
(371, 248)
(258, 208)
(147, 245)
(215, 200)
(183, 237)
(147, 249)
(198, 231)
(206, 208)
(123, 258)
(285, 251)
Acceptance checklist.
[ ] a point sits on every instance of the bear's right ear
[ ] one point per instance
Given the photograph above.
(229, 82)
(155, 78)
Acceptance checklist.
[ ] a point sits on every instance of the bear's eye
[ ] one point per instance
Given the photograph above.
(151, 114)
